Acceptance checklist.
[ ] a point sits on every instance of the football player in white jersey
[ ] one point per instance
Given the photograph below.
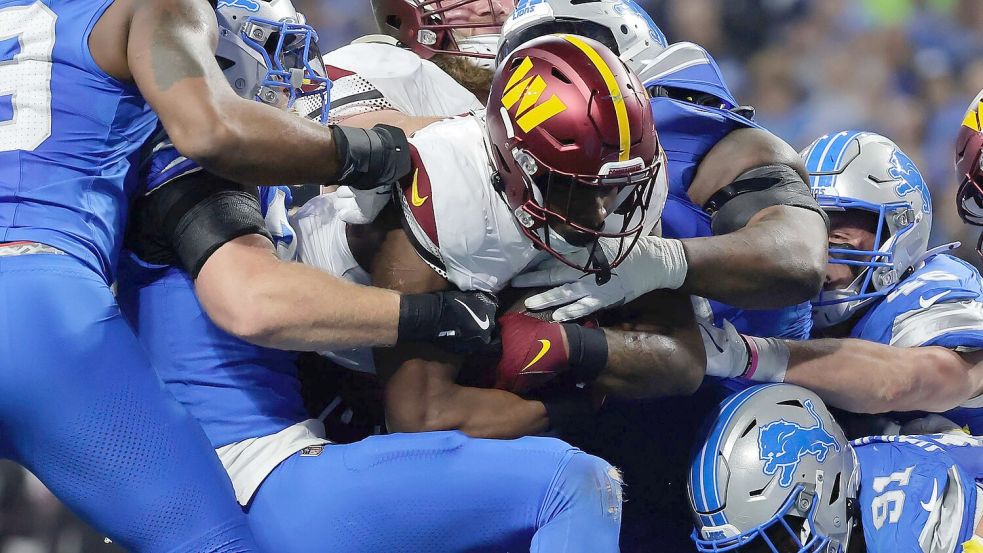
(904, 324)
(473, 218)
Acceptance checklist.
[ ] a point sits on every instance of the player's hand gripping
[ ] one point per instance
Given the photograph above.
(462, 322)
(654, 263)
(534, 352)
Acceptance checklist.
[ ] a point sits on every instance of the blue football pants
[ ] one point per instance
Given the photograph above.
(82, 408)
(437, 492)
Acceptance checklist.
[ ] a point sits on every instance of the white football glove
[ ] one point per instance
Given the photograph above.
(358, 207)
(727, 353)
(654, 263)
(731, 354)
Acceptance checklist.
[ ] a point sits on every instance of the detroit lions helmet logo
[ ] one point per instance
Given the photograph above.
(903, 169)
(783, 444)
(248, 5)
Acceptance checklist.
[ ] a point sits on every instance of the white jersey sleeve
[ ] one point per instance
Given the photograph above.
(375, 76)
(459, 223)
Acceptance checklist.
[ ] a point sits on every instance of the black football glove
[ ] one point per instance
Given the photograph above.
(370, 158)
(461, 322)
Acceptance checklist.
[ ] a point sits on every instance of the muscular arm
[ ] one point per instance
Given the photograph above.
(421, 392)
(867, 377)
(779, 258)
(170, 54)
(250, 293)
(661, 356)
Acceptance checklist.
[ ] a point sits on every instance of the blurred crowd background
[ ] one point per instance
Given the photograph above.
(903, 68)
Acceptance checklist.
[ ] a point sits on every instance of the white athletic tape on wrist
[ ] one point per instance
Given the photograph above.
(767, 359)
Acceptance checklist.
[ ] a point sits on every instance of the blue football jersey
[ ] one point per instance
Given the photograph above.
(940, 304)
(236, 390)
(919, 494)
(69, 133)
(688, 131)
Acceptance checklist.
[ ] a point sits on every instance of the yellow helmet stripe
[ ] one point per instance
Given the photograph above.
(620, 111)
(972, 119)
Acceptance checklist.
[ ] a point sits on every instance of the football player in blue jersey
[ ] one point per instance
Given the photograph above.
(84, 83)
(775, 474)
(439, 491)
(903, 325)
(737, 193)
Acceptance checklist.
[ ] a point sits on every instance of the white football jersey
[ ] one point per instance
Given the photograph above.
(460, 224)
(374, 76)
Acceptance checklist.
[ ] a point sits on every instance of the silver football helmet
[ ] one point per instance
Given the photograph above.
(865, 171)
(268, 53)
(774, 473)
(621, 25)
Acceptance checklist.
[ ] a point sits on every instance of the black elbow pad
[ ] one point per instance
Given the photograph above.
(735, 204)
(213, 221)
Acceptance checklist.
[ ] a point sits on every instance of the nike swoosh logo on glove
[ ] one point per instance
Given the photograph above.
(483, 324)
(710, 336)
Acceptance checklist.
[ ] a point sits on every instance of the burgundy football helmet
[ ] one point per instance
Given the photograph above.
(570, 129)
(969, 168)
(427, 26)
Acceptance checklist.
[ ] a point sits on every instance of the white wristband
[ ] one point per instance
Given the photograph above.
(767, 359)
(674, 261)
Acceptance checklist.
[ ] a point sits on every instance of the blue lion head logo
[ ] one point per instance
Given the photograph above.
(523, 7)
(783, 444)
(903, 169)
(248, 5)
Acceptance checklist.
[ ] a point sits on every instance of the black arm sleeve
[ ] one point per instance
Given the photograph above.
(733, 205)
(184, 221)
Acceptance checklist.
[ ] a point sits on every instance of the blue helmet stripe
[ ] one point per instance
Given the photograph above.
(832, 157)
(704, 472)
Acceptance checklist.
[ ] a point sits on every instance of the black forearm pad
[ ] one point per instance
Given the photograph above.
(210, 223)
(418, 317)
(735, 204)
(588, 351)
(369, 158)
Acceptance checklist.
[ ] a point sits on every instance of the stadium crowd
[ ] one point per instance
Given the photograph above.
(905, 69)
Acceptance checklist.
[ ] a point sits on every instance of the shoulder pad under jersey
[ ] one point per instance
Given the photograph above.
(458, 222)
(938, 305)
(688, 66)
(374, 76)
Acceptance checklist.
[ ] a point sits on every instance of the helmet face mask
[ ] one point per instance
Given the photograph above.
(866, 172)
(969, 168)
(428, 28)
(270, 55)
(575, 149)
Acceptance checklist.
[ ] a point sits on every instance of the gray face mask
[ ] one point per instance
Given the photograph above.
(480, 44)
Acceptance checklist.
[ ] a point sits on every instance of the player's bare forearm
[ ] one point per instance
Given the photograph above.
(171, 56)
(421, 389)
(777, 260)
(421, 396)
(409, 123)
(248, 292)
(660, 354)
(867, 377)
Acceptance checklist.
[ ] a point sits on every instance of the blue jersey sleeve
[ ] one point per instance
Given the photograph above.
(938, 305)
